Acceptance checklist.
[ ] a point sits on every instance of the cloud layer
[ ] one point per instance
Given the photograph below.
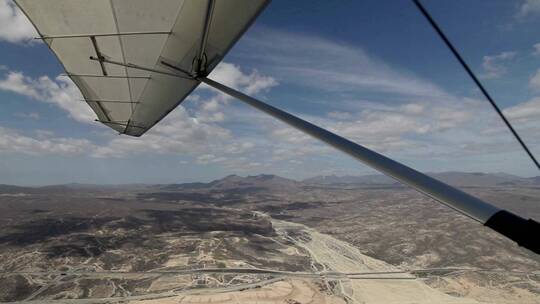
(329, 66)
(61, 92)
(529, 7)
(534, 82)
(188, 133)
(409, 116)
(494, 66)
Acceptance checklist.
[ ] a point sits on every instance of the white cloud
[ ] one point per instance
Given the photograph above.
(291, 135)
(534, 82)
(30, 115)
(177, 133)
(494, 65)
(536, 49)
(530, 7)
(61, 92)
(339, 115)
(412, 117)
(413, 108)
(524, 112)
(198, 132)
(12, 141)
(392, 129)
(16, 82)
(421, 120)
(209, 159)
(398, 127)
(329, 66)
(44, 133)
(231, 75)
(525, 117)
(14, 26)
(181, 132)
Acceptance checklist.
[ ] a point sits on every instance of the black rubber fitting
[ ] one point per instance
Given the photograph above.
(524, 232)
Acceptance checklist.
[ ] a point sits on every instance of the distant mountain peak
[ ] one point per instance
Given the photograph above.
(254, 181)
(263, 176)
(230, 177)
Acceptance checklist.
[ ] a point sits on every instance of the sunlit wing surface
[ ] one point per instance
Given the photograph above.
(138, 33)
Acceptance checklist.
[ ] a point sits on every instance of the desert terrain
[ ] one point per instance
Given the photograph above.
(263, 239)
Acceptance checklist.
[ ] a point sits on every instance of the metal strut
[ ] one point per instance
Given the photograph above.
(102, 35)
(102, 76)
(109, 101)
(200, 69)
(119, 123)
(100, 56)
(138, 67)
(502, 221)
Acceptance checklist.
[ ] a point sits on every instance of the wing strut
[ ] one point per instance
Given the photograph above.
(476, 81)
(204, 38)
(138, 67)
(510, 225)
(100, 57)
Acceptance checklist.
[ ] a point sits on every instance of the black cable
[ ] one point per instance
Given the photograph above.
(480, 86)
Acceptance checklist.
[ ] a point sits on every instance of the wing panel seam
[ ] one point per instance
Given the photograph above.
(113, 11)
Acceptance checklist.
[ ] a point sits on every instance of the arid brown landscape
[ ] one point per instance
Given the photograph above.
(263, 238)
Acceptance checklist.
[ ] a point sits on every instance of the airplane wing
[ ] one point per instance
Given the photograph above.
(119, 52)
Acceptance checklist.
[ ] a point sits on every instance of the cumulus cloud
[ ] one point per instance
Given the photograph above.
(209, 159)
(14, 26)
(339, 115)
(231, 75)
(536, 49)
(412, 116)
(291, 135)
(61, 92)
(525, 117)
(198, 132)
(413, 129)
(534, 82)
(203, 133)
(422, 119)
(524, 112)
(529, 7)
(494, 66)
(177, 133)
(398, 127)
(14, 142)
(194, 133)
(252, 83)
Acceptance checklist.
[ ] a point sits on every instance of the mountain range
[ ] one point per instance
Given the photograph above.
(269, 181)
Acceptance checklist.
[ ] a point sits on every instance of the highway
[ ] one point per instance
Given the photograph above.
(310, 275)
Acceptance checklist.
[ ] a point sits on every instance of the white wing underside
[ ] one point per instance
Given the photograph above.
(140, 32)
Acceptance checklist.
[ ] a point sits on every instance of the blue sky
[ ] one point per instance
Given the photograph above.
(373, 71)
